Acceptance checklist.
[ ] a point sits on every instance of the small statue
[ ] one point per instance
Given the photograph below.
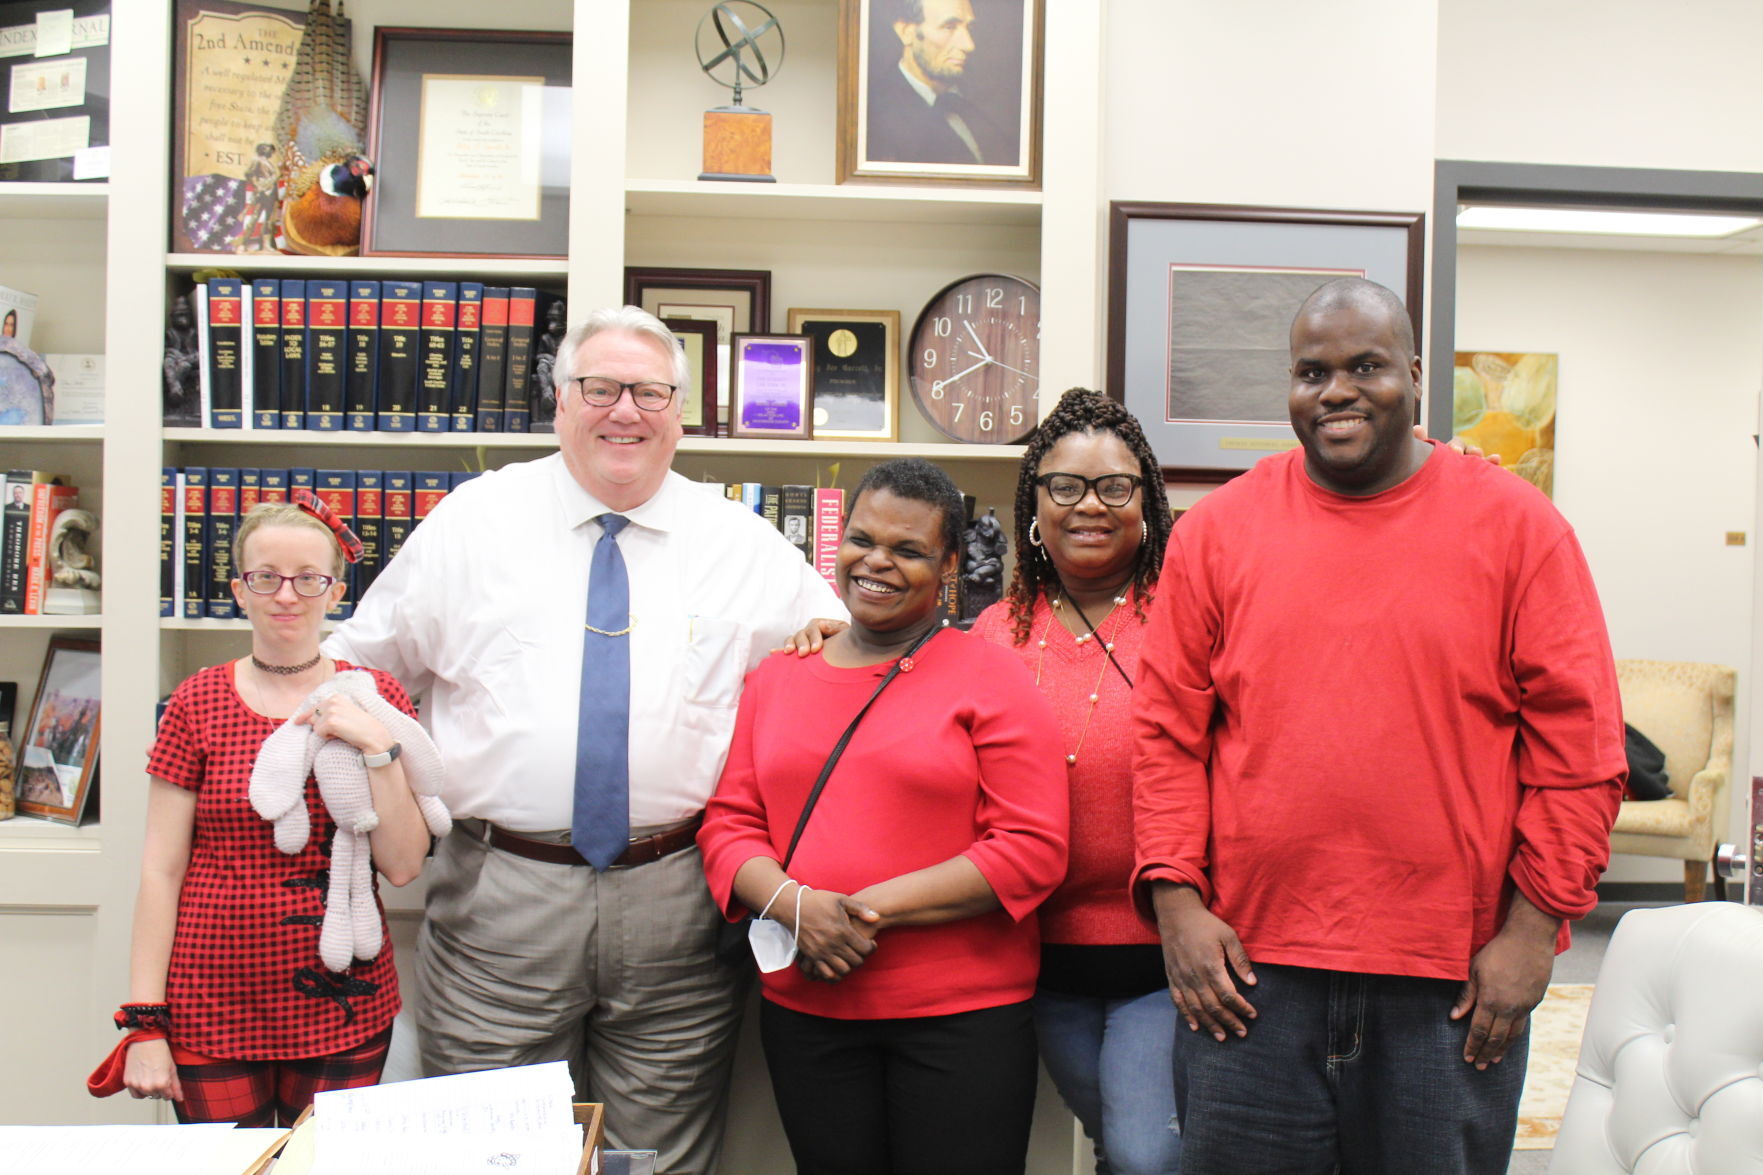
(321, 132)
(258, 219)
(183, 365)
(73, 584)
(982, 564)
(544, 405)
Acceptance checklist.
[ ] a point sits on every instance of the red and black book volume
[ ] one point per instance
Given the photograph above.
(327, 328)
(293, 353)
(266, 353)
(400, 338)
(364, 354)
(435, 390)
(492, 364)
(226, 309)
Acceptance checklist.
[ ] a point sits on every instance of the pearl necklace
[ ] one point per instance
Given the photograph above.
(1096, 690)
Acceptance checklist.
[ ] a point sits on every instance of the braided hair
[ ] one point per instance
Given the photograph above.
(1083, 411)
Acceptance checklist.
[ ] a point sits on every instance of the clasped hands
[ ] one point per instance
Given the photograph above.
(836, 934)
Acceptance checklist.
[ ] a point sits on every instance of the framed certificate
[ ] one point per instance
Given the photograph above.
(856, 372)
(698, 397)
(771, 387)
(469, 134)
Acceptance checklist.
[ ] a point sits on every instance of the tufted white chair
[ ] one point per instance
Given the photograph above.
(1670, 1078)
(1685, 708)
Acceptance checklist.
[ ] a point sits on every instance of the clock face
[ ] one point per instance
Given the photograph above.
(976, 359)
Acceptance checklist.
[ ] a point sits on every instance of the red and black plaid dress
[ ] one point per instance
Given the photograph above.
(245, 981)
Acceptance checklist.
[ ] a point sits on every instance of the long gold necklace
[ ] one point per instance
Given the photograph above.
(1082, 639)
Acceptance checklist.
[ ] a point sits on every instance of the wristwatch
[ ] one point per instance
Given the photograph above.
(384, 757)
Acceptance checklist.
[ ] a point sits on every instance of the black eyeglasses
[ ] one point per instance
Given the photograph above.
(307, 583)
(1068, 489)
(599, 392)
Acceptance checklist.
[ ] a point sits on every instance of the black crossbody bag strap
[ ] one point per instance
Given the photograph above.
(832, 760)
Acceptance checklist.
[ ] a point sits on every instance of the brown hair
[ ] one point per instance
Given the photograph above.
(283, 514)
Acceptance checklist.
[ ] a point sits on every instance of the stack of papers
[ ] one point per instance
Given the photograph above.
(518, 1121)
(209, 1149)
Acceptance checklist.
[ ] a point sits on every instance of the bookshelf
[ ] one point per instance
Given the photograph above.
(635, 200)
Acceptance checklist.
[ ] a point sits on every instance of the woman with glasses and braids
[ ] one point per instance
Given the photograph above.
(1091, 524)
(231, 1014)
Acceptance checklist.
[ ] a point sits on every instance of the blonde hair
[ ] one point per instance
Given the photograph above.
(283, 514)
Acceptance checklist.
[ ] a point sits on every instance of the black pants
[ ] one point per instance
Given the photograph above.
(934, 1095)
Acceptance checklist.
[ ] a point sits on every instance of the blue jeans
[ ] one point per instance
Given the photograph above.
(1112, 1061)
(1359, 1074)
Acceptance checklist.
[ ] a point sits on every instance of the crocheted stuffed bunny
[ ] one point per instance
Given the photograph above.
(293, 752)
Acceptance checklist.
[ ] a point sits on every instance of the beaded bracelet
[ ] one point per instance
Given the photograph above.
(137, 1016)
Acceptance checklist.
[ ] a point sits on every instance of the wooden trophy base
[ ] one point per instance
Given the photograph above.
(737, 145)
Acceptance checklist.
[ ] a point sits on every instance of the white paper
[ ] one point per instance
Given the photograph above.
(54, 32)
(206, 1149)
(55, 138)
(79, 388)
(47, 85)
(89, 32)
(92, 164)
(478, 147)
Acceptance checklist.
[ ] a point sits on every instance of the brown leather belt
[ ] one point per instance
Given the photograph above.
(641, 850)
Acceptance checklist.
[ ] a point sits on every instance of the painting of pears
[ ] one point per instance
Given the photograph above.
(1504, 402)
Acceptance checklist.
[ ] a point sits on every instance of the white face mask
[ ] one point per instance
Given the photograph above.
(773, 943)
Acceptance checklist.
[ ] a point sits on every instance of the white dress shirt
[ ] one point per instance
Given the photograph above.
(482, 611)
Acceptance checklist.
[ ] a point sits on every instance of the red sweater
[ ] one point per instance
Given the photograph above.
(1361, 719)
(1092, 907)
(938, 769)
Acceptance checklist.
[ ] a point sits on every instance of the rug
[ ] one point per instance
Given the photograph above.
(1555, 1031)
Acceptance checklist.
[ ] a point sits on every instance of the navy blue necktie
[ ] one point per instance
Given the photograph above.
(601, 828)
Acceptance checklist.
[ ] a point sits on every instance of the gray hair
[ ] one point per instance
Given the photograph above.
(631, 320)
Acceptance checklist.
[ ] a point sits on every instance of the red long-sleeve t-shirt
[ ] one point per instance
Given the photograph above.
(1359, 721)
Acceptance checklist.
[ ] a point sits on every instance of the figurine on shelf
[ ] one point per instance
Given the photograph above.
(73, 587)
(321, 130)
(982, 564)
(183, 365)
(544, 407)
(258, 218)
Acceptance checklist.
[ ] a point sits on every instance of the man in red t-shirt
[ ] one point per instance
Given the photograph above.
(1379, 753)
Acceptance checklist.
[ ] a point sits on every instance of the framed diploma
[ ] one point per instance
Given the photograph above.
(856, 372)
(771, 387)
(697, 336)
(469, 134)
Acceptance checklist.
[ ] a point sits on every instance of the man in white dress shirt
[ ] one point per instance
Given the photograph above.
(527, 952)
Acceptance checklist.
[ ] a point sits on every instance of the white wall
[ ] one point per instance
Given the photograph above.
(1661, 358)
(1618, 83)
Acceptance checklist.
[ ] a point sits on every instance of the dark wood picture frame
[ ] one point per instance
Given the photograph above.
(401, 56)
(737, 300)
(60, 735)
(1389, 247)
(94, 106)
(738, 392)
(868, 55)
(703, 368)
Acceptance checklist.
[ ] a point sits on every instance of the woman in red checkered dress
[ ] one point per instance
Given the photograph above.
(225, 955)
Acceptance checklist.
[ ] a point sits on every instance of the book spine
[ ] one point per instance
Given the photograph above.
(753, 496)
(223, 513)
(302, 479)
(266, 353)
(733, 491)
(460, 477)
(465, 352)
(48, 499)
(492, 364)
(369, 527)
(195, 561)
(336, 489)
(225, 313)
(797, 515)
(275, 485)
(205, 398)
(364, 355)
(430, 489)
(168, 514)
(15, 518)
(542, 403)
(771, 506)
(327, 340)
(250, 490)
(516, 409)
(829, 528)
(293, 353)
(397, 517)
(177, 542)
(440, 303)
(400, 324)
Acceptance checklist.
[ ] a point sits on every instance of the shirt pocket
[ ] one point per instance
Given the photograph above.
(715, 661)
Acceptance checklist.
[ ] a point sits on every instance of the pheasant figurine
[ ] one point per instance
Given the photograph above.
(321, 131)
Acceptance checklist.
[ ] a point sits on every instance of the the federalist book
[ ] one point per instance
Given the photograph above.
(364, 354)
(293, 353)
(223, 357)
(327, 327)
(266, 353)
(492, 372)
(195, 512)
(223, 513)
(434, 407)
(465, 350)
(400, 326)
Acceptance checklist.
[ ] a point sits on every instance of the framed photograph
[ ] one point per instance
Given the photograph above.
(55, 61)
(736, 300)
(771, 387)
(952, 98)
(697, 399)
(856, 372)
(59, 752)
(1200, 304)
(469, 135)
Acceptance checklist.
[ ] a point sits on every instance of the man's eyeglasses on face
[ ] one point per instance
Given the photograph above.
(307, 583)
(598, 392)
(1068, 489)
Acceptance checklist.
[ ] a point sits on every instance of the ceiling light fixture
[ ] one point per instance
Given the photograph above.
(1609, 221)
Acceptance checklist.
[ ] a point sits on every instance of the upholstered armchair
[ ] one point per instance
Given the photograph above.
(1670, 1074)
(1685, 708)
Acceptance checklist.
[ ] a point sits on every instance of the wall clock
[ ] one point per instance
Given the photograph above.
(975, 359)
